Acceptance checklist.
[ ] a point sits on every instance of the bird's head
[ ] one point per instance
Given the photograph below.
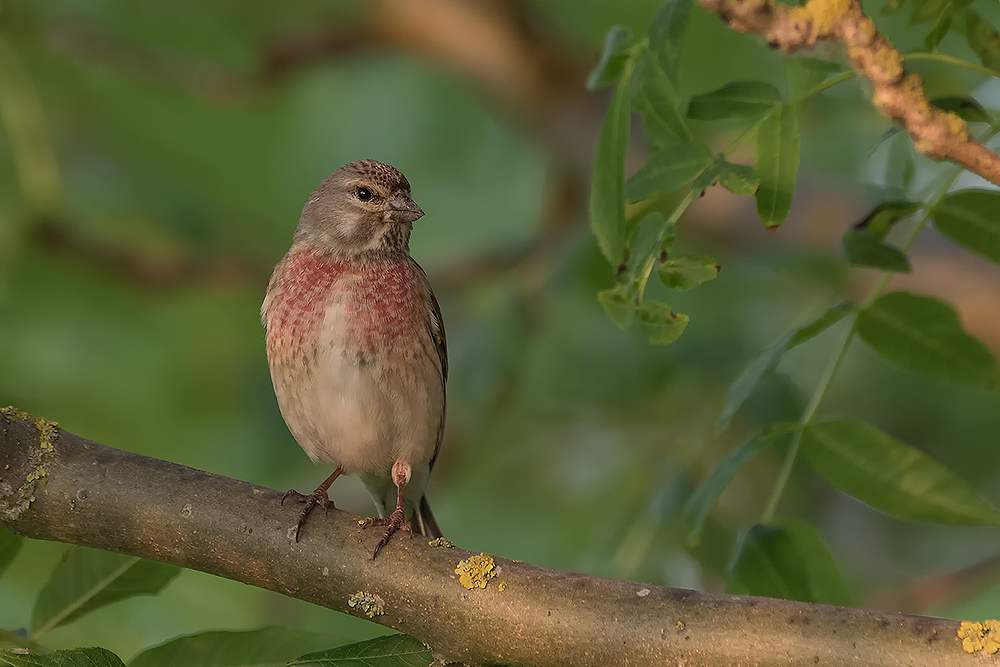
(363, 208)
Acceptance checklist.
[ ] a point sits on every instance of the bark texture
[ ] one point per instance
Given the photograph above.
(57, 486)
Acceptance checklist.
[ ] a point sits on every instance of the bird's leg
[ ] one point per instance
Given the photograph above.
(396, 520)
(317, 497)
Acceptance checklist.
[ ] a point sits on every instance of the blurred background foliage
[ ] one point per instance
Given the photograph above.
(153, 161)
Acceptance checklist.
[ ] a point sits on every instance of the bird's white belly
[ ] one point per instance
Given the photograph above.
(362, 410)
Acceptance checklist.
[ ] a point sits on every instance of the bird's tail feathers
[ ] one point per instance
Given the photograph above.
(424, 520)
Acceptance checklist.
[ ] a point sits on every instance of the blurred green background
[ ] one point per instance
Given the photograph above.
(153, 162)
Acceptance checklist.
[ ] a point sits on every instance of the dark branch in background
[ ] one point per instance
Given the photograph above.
(898, 96)
(57, 486)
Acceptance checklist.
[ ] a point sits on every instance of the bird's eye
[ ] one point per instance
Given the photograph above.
(364, 194)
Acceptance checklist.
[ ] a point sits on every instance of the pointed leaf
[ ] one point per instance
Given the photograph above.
(884, 216)
(965, 108)
(971, 218)
(865, 249)
(923, 334)
(666, 36)
(388, 651)
(820, 324)
(901, 167)
(788, 560)
(253, 648)
(740, 179)
(607, 187)
(747, 381)
(619, 304)
(777, 163)
(609, 68)
(698, 506)
(10, 544)
(661, 324)
(663, 104)
(983, 39)
(941, 27)
(668, 170)
(74, 657)
(893, 476)
(741, 99)
(87, 579)
(684, 273)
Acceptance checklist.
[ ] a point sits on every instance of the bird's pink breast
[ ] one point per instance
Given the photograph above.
(380, 301)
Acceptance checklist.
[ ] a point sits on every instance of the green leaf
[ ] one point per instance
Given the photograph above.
(619, 304)
(928, 10)
(697, 507)
(885, 216)
(983, 39)
(664, 105)
(664, 122)
(971, 218)
(741, 99)
(660, 323)
(10, 544)
(388, 651)
(87, 579)
(607, 188)
(788, 560)
(820, 324)
(777, 163)
(253, 648)
(923, 334)
(740, 179)
(684, 273)
(865, 249)
(893, 476)
(901, 166)
(941, 27)
(666, 36)
(965, 108)
(74, 657)
(609, 67)
(668, 170)
(747, 381)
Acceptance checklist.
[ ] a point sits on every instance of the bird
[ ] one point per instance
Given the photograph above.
(356, 346)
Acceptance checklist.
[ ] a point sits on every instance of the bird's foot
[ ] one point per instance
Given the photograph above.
(317, 497)
(393, 522)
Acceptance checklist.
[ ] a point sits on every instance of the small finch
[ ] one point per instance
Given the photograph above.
(356, 345)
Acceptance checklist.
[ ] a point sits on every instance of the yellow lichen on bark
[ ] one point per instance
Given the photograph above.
(983, 636)
(371, 604)
(824, 14)
(476, 571)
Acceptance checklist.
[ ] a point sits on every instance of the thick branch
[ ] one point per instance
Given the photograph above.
(57, 486)
(898, 96)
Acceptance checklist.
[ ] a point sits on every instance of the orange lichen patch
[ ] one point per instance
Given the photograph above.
(955, 125)
(889, 63)
(502, 586)
(824, 14)
(476, 571)
(983, 636)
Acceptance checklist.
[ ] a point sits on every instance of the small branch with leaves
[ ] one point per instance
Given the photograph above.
(938, 134)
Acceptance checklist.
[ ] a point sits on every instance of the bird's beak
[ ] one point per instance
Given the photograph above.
(402, 209)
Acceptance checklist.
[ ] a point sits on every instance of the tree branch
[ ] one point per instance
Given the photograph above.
(898, 96)
(57, 486)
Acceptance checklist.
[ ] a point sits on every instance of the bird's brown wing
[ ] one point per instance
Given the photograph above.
(436, 327)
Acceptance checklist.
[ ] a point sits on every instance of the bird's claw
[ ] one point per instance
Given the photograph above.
(393, 522)
(317, 497)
